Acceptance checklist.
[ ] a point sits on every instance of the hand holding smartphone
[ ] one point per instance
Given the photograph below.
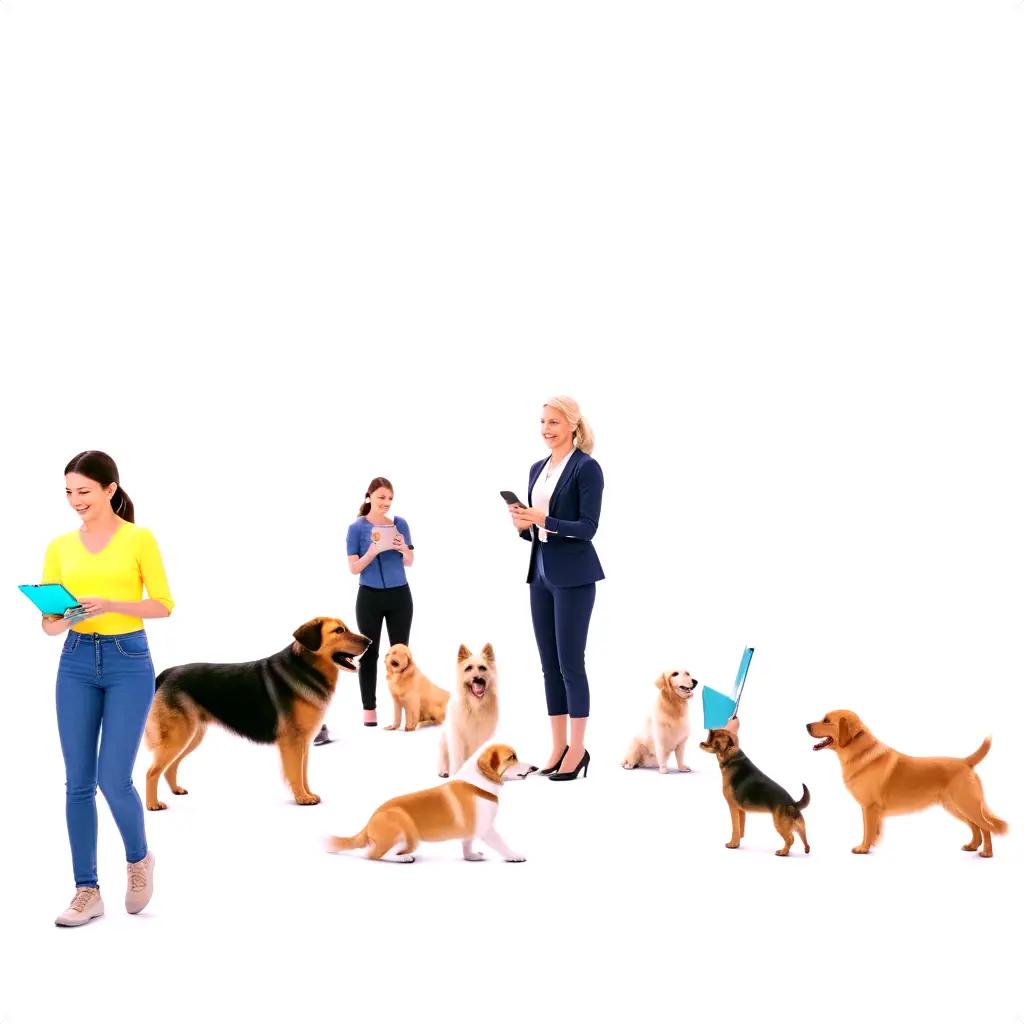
(511, 500)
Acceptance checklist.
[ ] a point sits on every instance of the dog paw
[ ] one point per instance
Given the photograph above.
(390, 728)
(663, 771)
(158, 806)
(515, 858)
(627, 765)
(442, 775)
(179, 791)
(982, 853)
(782, 853)
(732, 846)
(861, 849)
(685, 769)
(307, 799)
(970, 847)
(474, 856)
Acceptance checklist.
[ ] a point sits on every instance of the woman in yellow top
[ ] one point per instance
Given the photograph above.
(105, 681)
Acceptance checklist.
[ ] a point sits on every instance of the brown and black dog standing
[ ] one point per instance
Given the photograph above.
(884, 781)
(281, 699)
(747, 788)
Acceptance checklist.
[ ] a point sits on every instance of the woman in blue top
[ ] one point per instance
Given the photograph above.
(384, 594)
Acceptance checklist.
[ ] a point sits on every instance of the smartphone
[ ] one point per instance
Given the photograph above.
(511, 499)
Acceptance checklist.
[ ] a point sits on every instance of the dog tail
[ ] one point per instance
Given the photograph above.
(974, 758)
(335, 844)
(804, 800)
(992, 823)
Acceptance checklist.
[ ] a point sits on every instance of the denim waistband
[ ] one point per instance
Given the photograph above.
(99, 638)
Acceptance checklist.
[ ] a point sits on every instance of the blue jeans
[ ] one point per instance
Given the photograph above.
(561, 620)
(105, 685)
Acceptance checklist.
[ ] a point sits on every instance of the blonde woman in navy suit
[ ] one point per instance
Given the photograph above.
(565, 506)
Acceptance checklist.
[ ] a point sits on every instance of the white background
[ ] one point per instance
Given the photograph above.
(261, 252)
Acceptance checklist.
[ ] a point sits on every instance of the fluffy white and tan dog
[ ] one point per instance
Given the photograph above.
(667, 727)
(464, 808)
(472, 716)
(412, 692)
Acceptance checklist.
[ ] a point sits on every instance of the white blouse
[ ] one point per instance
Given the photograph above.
(544, 488)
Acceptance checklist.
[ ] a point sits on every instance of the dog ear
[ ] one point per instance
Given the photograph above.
(488, 763)
(846, 732)
(310, 634)
(464, 653)
(488, 654)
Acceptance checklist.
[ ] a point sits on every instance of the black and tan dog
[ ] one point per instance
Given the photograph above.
(281, 699)
(747, 788)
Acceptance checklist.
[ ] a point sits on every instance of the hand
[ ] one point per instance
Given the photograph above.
(733, 726)
(371, 552)
(533, 515)
(96, 605)
(400, 545)
(523, 518)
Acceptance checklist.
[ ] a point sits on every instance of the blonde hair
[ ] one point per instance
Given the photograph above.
(582, 435)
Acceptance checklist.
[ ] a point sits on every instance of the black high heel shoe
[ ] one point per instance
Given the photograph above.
(569, 776)
(554, 768)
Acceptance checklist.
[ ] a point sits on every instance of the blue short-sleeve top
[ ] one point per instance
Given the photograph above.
(387, 569)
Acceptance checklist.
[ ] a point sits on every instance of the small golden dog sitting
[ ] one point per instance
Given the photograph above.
(412, 692)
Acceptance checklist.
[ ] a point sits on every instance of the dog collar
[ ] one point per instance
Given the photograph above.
(477, 781)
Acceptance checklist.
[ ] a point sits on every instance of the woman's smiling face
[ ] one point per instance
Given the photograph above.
(554, 428)
(380, 501)
(87, 497)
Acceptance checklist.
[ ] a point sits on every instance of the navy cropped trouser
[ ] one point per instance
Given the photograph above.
(561, 620)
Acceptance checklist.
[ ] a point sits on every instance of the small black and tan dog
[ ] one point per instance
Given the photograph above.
(747, 788)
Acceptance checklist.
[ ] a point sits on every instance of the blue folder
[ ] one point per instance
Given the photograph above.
(51, 598)
(718, 707)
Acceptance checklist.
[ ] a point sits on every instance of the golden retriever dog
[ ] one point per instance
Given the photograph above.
(473, 717)
(412, 692)
(464, 808)
(884, 781)
(281, 700)
(667, 727)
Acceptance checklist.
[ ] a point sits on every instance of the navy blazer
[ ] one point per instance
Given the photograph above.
(573, 512)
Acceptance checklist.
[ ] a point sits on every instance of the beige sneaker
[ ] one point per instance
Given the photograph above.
(86, 905)
(140, 884)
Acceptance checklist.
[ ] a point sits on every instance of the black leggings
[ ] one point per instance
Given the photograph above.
(373, 607)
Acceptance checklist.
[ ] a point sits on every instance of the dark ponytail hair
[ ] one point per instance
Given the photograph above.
(99, 466)
(377, 481)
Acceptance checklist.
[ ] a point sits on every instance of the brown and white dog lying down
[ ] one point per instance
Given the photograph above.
(412, 692)
(667, 727)
(884, 781)
(473, 716)
(464, 808)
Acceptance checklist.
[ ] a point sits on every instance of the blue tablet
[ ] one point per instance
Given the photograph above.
(50, 598)
(719, 708)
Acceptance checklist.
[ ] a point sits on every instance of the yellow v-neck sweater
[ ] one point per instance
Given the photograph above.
(130, 561)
